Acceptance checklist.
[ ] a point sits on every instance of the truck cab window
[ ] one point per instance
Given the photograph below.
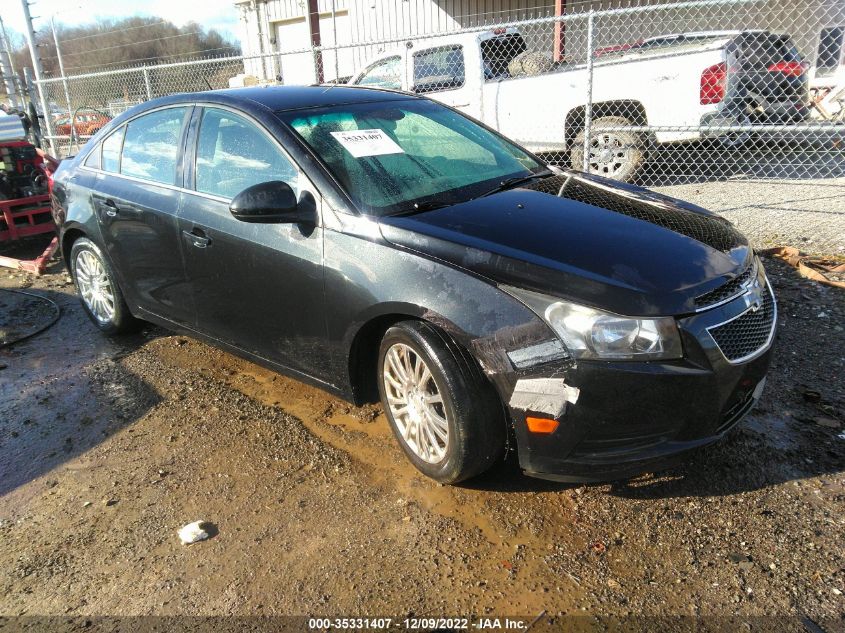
(384, 74)
(438, 69)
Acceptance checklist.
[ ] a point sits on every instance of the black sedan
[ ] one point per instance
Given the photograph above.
(381, 245)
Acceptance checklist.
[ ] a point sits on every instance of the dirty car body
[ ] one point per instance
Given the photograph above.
(633, 326)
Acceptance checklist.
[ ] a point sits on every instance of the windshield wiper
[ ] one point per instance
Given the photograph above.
(507, 183)
(510, 183)
(419, 207)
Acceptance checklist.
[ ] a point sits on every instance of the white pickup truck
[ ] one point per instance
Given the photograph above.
(676, 81)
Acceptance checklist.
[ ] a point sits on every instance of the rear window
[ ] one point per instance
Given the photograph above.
(498, 52)
(763, 49)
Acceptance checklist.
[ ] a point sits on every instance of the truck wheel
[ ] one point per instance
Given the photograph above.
(619, 155)
(447, 417)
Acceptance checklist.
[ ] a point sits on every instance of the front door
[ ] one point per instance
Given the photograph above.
(258, 287)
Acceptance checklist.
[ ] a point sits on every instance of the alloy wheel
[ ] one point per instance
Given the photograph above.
(94, 286)
(416, 403)
(609, 155)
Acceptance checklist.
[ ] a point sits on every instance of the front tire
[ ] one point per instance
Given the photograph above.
(446, 416)
(619, 155)
(97, 286)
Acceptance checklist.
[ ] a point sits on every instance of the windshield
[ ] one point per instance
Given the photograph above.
(401, 156)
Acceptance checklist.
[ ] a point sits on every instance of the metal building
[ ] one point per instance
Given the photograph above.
(363, 28)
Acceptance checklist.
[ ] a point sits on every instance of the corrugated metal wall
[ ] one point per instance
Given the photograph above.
(377, 20)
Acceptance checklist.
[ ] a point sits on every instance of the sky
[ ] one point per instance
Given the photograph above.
(216, 14)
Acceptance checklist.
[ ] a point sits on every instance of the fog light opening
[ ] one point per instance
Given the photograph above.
(543, 426)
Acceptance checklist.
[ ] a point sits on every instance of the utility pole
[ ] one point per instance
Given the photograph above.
(313, 19)
(61, 64)
(8, 70)
(29, 32)
(560, 31)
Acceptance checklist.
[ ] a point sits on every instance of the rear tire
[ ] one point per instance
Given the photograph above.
(97, 286)
(617, 155)
(447, 417)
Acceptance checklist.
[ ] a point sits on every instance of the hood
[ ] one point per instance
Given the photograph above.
(617, 247)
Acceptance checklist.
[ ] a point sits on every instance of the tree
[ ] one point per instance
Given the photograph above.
(110, 44)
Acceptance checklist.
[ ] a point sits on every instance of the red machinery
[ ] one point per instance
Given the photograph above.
(25, 182)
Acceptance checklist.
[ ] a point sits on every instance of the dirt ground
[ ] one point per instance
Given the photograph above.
(108, 447)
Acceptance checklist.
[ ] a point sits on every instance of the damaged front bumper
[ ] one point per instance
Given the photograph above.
(628, 420)
(619, 419)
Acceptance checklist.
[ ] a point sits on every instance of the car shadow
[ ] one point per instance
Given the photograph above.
(64, 390)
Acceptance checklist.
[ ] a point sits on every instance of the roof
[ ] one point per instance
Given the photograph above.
(258, 99)
(278, 98)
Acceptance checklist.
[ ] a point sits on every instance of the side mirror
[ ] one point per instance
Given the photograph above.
(268, 202)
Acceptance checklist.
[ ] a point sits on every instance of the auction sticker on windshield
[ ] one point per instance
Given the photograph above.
(363, 143)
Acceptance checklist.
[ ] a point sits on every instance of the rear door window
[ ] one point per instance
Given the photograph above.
(233, 154)
(111, 150)
(93, 159)
(151, 147)
(438, 69)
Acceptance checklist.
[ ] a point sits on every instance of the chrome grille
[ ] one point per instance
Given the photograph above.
(728, 290)
(746, 335)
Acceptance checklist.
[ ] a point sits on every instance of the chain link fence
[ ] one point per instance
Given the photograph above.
(674, 95)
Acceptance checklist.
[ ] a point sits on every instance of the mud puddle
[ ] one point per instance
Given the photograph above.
(365, 435)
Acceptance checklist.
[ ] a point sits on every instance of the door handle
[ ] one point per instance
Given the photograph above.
(197, 237)
(111, 207)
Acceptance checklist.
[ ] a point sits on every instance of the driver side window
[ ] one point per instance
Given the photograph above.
(233, 154)
(384, 74)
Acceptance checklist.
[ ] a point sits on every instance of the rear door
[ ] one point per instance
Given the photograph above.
(136, 198)
(258, 287)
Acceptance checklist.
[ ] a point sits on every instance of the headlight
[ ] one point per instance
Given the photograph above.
(590, 333)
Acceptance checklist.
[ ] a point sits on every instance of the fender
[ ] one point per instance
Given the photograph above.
(369, 277)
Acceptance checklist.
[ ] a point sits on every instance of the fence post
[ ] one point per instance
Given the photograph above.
(39, 74)
(147, 82)
(588, 108)
(334, 41)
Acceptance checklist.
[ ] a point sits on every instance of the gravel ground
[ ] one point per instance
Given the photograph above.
(107, 447)
(807, 214)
